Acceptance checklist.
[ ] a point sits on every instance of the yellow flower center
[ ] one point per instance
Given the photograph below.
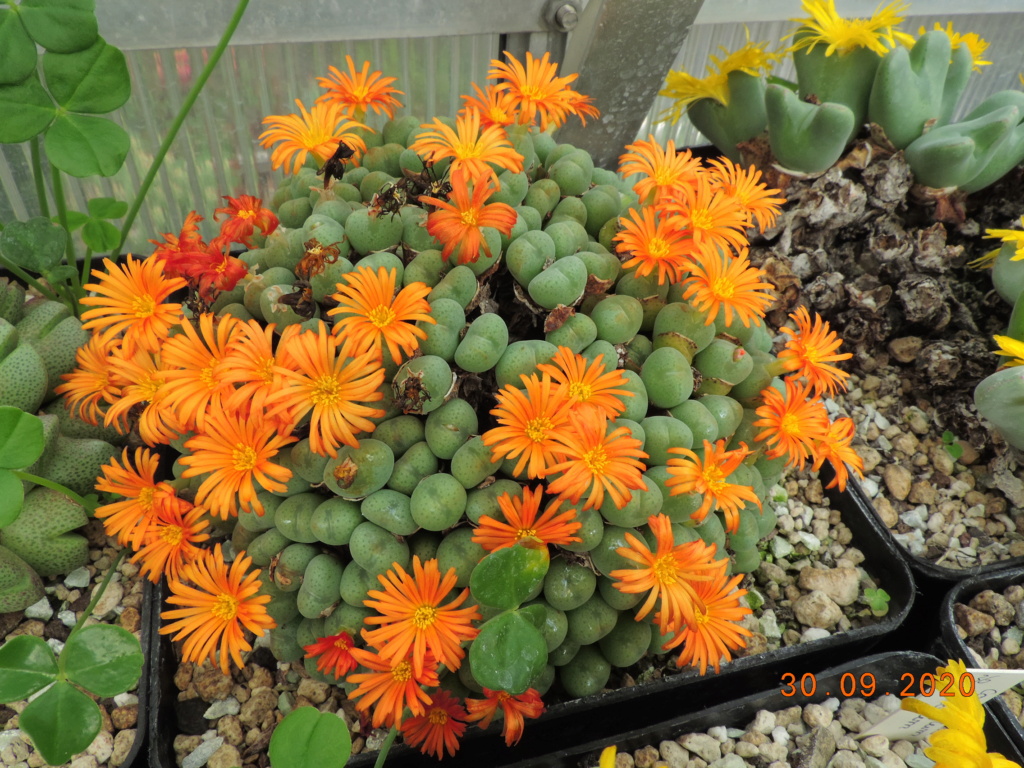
(247, 213)
(657, 248)
(701, 218)
(666, 570)
(381, 316)
(437, 717)
(596, 460)
(172, 534)
(537, 429)
(525, 533)
(714, 477)
(149, 388)
(243, 458)
(402, 672)
(701, 617)
(468, 217)
(424, 616)
(264, 369)
(343, 643)
(723, 288)
(206, 376)
(145, 498)
(580, 391)
(325, 390)
(225, 608)
(789, 425)
(503, 696)
(143, 306)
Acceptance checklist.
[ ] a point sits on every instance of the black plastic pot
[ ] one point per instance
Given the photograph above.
(149, 625)
(573, 723)
(962, 593)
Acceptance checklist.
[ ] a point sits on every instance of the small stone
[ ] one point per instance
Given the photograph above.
(673, 754)
(840, 584)
(261, 678)
(886, 512)
(67, 618)
(876, 746)
(211, 683)
(645, 757)
(41, 610)
(781, 548)
(125, 717)
(816, 609)
(905, 349)
(123, 743)
(995, 605)
(702, 745)
(222, 707)
(125, 700)
(230, 729)
(102, 747)
(719, 732)
(811, 634)
(201, 754)
(262, 702)
(314, 690)
(130, 619)
(225, 757)
(729, 761)
(78, 578)
(85, 761)
(764, 722)
(897, 479)
(110, 599)
(922, 492)
(843, 759)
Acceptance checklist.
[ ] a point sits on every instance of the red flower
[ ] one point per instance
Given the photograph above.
(244, 215)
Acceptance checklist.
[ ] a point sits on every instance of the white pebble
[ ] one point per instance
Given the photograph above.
(56, 645)
(202, 753)
(780, 735)
(67, 618)
(809, 540)
(78, 578)
(870, 487)
(41, 610)
(719, 732)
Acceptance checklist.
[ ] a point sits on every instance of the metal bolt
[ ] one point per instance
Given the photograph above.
(566, 18)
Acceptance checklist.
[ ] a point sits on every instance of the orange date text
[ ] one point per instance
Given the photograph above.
(864, 685)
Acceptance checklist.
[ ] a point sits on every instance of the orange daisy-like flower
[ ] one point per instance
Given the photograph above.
(222, 604)
(710, 478)
(91, 382)
(332, 384)
(237, 453)
(244, 214)
(665, 171)
(654, 243)
(514, 710)
(668, 574)
(496, 106)
(192, 361)
(810, 349)
(145, 498)
(457, 224)
(131, 299)
(333, 654)
(470, 149)
(836, 449)
(538, 94)
(171, 541)
(714, 219)
(723, 283)
(253, 364)
(529, 422)
(371, 315)
(522, 522)
(318, 131)
(596, 461)
(759, 203)
(715, 631)
(439, 728)
(586, 382)
(356, 92)
(392, 685)
(141, 378)
(793, 423)
(416, 616)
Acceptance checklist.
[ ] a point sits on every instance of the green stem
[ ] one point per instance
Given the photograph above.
(37, 174)
(62, 211)
(99, 593)
(86, 266)
(89, 506)
(25, 277)
(382, 756)
(179, 119)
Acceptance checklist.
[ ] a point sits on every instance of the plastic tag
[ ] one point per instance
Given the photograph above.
(901, 724)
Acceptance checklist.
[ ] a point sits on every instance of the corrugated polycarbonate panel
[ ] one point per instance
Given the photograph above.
(217, 151)
(1002, 30)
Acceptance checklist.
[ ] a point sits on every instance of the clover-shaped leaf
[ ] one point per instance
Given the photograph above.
(94, 80)
(12, 497)
(19, 57)
(508, 576)
(307, 737)
(27, 665)
(27, 109)
(508, 653)
(47, 720)
(82, 145)
(21, 438)
(107, 208)
(101, 235)
(103, 659)
(63, 26)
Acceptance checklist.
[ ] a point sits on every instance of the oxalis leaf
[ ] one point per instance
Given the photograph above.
(12, 497)
(27, 665)
(308, 737)
(101, 235)
(62, 722)
(19, 57)
(27, 109)
(94, 80)
(82, 145)
(508, 653)
(21, 435)
(107, 208)
(508, 576)
(36, 245)
(63, 26)
(103, 659)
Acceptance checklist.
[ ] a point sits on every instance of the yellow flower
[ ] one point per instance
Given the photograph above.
(1011, 348)
(969, 40)
(1010, 236)
(826, 26)
(684, 88)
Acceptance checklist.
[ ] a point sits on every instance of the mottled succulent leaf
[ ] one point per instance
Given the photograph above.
(307, 737)
(62, 722)
(36, 245)
(21, 435)
(26, 665)
(103, 659)
(508, 653)
(507, 577)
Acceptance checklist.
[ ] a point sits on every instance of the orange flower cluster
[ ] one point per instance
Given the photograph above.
(696, 602)
(558, 425)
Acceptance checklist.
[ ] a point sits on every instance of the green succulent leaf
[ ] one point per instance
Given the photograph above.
(19, 57)
(104, 659)
(507, 577)
(27, 109)
(94, 80)
(12, 497)
(307, 737)
(36, 245)
(508, 653)
(107, 208)
(100, 235)
(48, 722)
(63, 26)
(27, 665)
(21, 437)
(82, 145)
